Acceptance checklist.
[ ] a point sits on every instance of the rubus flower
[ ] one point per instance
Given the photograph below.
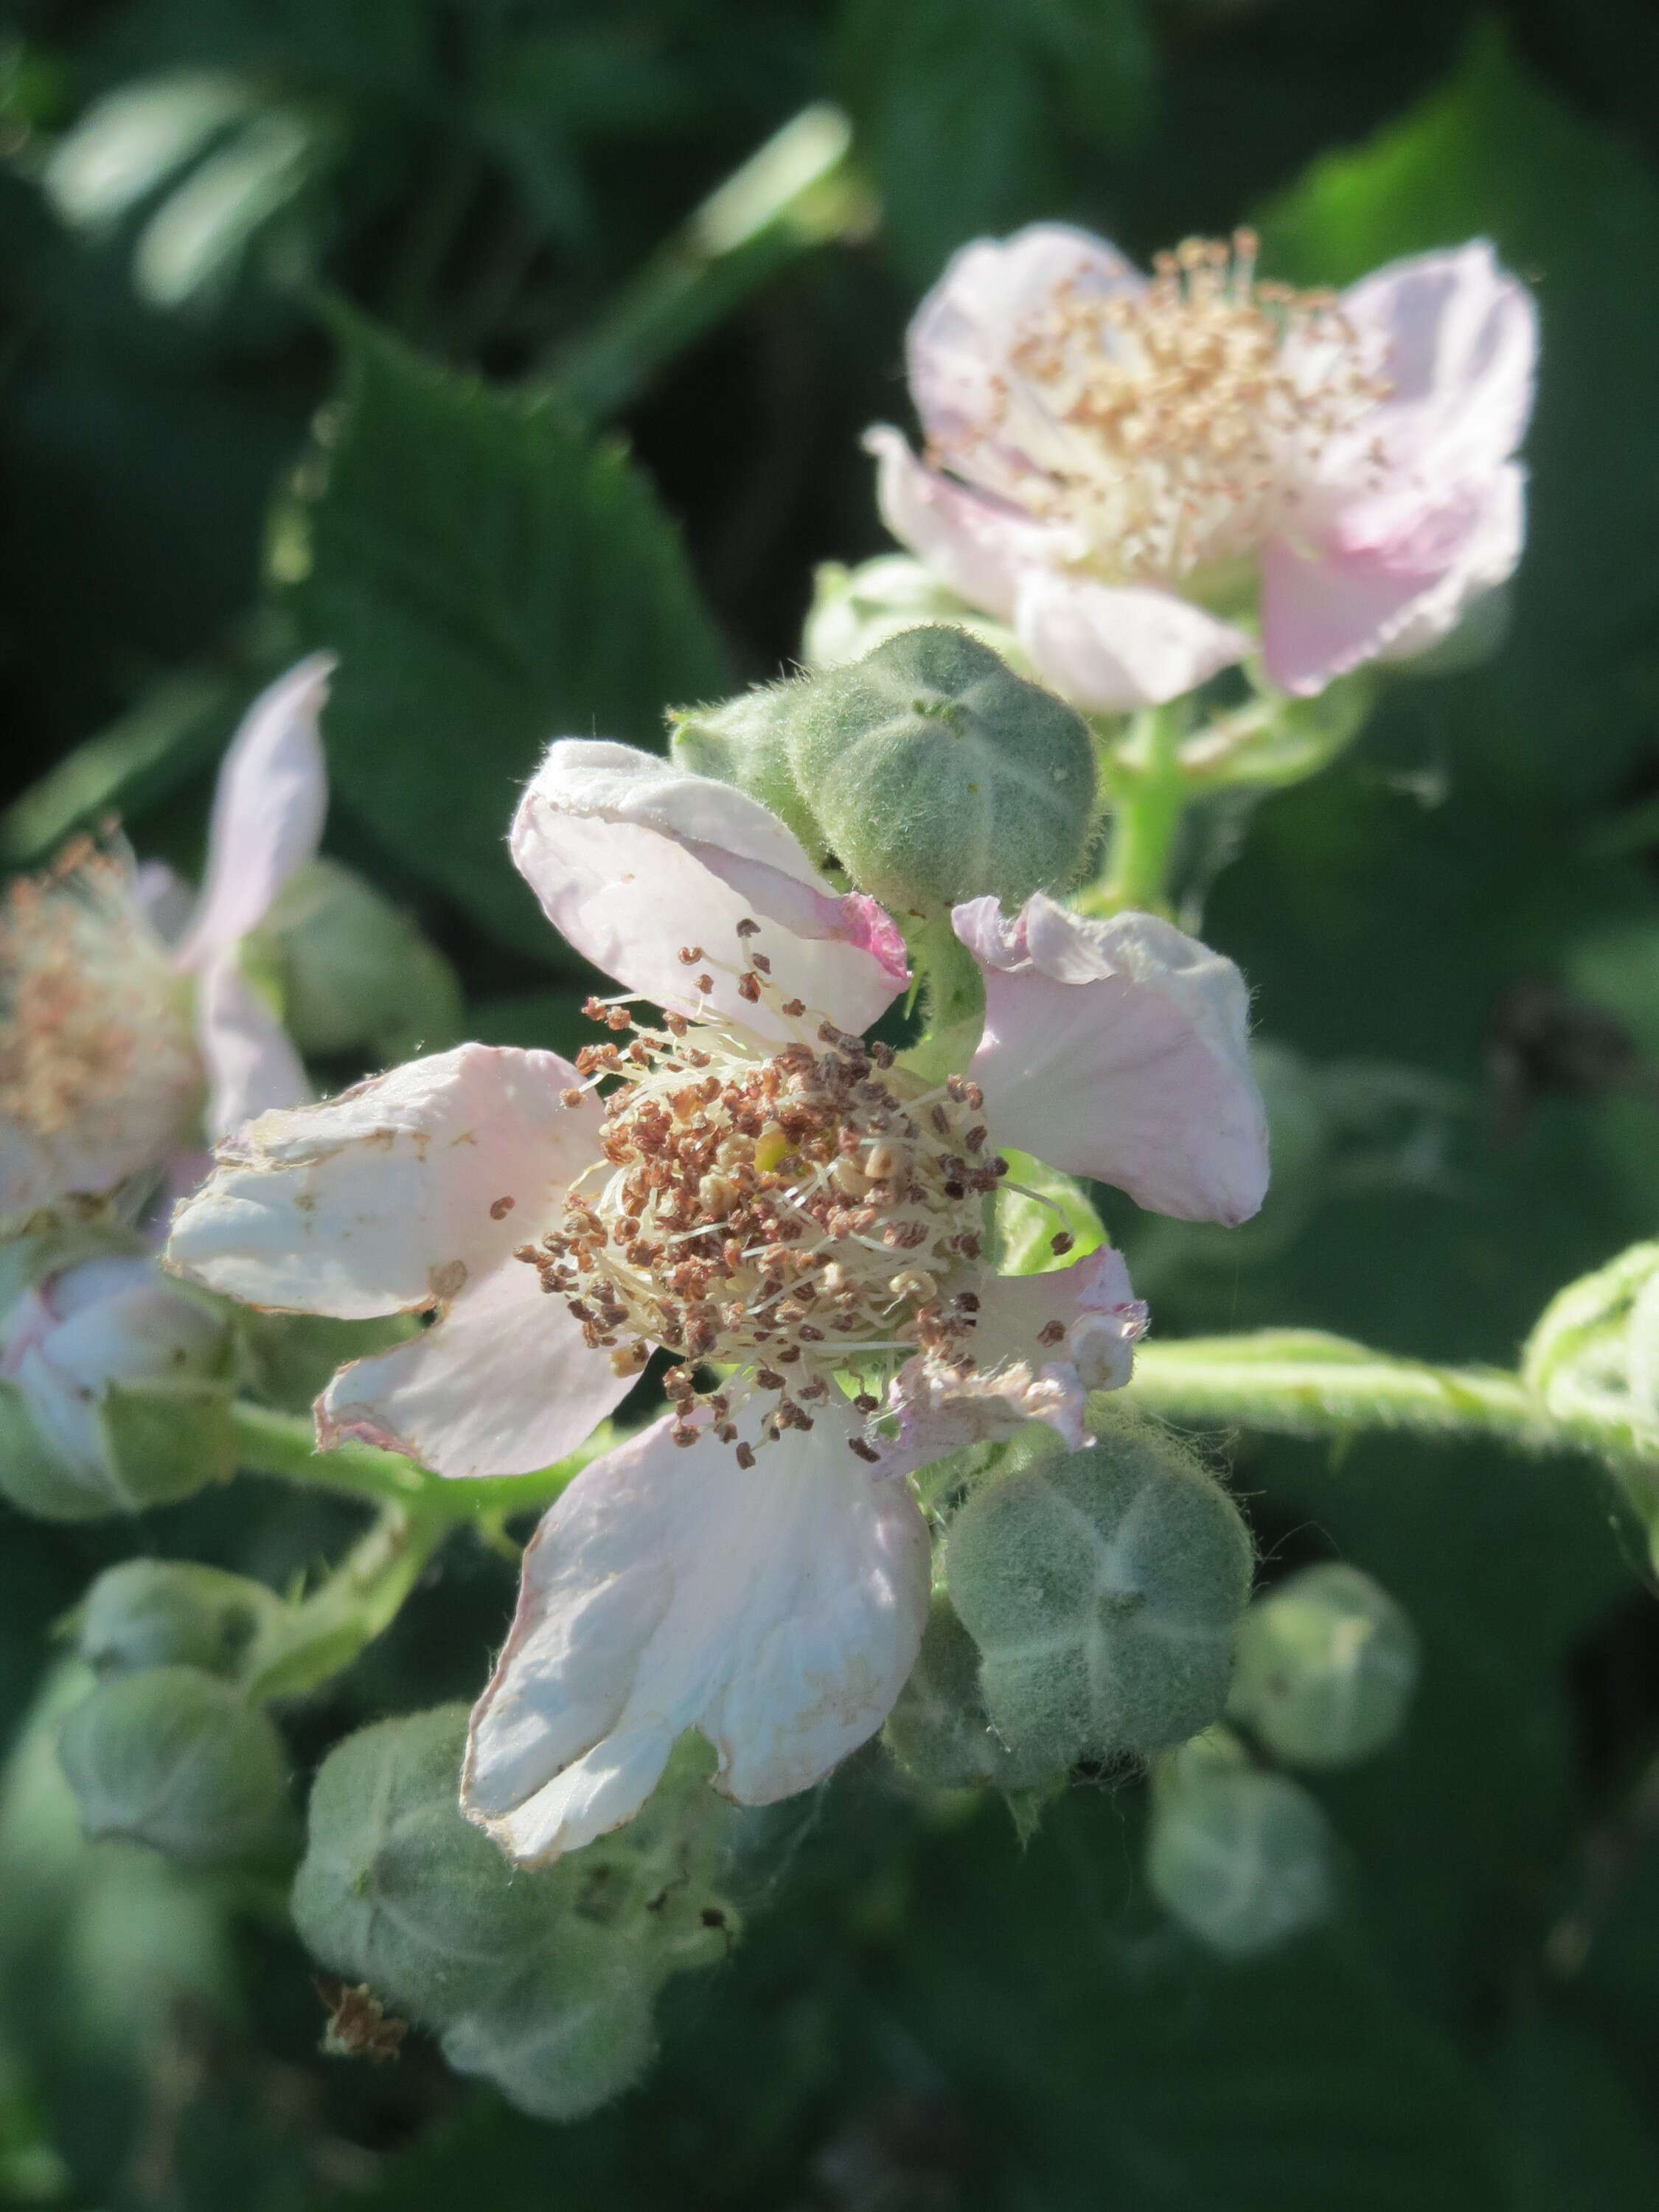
(1117, 467)
(750, 1184)
(114, 1027)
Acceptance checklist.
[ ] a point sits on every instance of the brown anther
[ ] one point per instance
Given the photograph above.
(866, 1404)
(501, 1208)
(954, 1189)
(704, 982)
(794, 1008)
(748, 926)
(759, 960)
(684, 1434)
(975, 1138)
(1062, 1241)
(1051, 1332)
(883, 1055)
(749, 987)
(941, 1120)
(865, 1451)
(998, 1166)
(572, 1097)
(768, 1378)
(690, 955)
(630, 1358)
(745, 1457)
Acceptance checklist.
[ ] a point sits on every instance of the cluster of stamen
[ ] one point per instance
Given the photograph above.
(1172, 424)
(794, 1212)
(93, 1031)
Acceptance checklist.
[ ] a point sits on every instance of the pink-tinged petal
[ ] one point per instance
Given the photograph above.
(393, 1196)
(1086, 1315)
(251, 1064)
(966, 385)
(633, 859)
(1379, 585)
(976, 545)
(267, 811)
(777, 1609)
(1110, 649)
(1457, 339)
(1117, 1049)
(1041, 1344)
(500, 1384)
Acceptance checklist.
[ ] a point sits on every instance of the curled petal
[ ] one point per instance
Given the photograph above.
(1110, 649)
(1382, 585)
(633, 860)
(1117, 1049)
(267, 811)
(779, 1609)
(976, 545)
(1042, 1343)
(501, 1384)
(394, 1196)
(251, 1064)
(961, 343)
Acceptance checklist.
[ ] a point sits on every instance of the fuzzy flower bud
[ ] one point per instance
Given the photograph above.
(744, 742)
(351, 968)
(938, 1731)
(396, 1888)
(172, 1613)
(172, 1758)
(935, 775)
(1327, 1664)
(542, 1979)
(1103, 1589)
(111, 1391)
(1241, 1859)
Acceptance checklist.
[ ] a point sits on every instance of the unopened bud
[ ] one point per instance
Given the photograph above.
(1103, 1589)
(173, 1758)
(566, 2039)
(1327, 1664)
(397, 1888)
(172, 1613)
(936, 775)
(855, 610)
(353, 969)
(939, 1732)
(112, 1394)
(744, 742)
(1241, 1859)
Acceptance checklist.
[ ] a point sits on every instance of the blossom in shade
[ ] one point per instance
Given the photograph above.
(126, 1021)
(793, 1214)
(1150, 479)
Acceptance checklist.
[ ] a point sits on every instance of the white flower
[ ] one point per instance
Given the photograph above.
(110, 1033)
(1116, 466)
(751, 1185)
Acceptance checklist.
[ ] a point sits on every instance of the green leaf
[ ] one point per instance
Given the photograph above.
(491, 578)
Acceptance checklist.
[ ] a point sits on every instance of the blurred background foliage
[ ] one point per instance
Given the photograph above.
(506, 346)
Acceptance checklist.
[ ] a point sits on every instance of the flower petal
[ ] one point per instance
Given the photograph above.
(778, 1609)
(1380, 586)
(1117, 1049)
(267, 811)
(974, 543)
(962, 338)
(1458, 340)
(501, 1384)
(251, 1064)
(1110, 649)
(390, 1197)
(1042, 1342)
(633, 859)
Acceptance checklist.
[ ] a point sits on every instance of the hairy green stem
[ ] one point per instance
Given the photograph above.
(1147, 792)
(1300, 1383)
(282, 1445)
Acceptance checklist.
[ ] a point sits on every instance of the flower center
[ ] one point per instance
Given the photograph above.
(1174, 423)
(794, 1212)
(95, 1041)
